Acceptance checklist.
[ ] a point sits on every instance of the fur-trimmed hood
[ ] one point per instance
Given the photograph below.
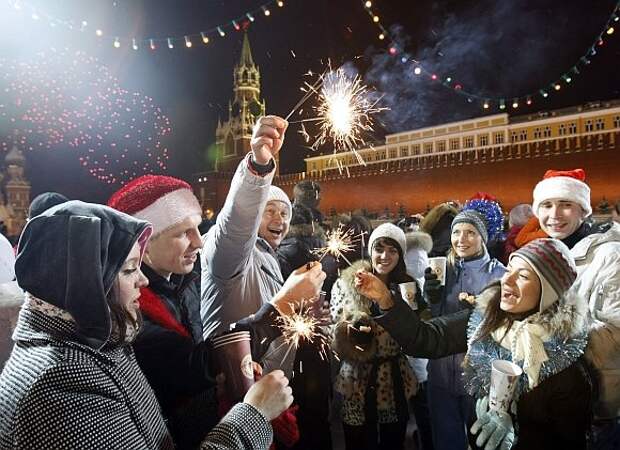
(566, 318)
(419, 240)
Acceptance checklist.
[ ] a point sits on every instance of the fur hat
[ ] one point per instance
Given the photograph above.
(553, 263)
(475, 219)
(563, 185)
(388, 230)
(161, 200)
(277, 194)
(519, 215)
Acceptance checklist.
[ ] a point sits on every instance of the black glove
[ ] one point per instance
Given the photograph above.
(433, 290)
(361, 333)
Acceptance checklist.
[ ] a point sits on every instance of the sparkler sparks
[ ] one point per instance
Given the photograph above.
(345, 110)
(339, 242)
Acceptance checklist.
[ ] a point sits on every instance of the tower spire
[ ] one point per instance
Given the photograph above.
(246, 53)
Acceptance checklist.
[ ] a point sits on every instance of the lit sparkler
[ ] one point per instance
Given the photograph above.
(339, 242)
(345, 110)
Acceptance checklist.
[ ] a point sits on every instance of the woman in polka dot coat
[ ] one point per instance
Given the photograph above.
(72, 381)
(375, 378)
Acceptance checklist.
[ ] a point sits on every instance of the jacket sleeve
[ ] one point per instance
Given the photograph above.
(228, 244)
(439, 337)
(263, 328)
(243, 427)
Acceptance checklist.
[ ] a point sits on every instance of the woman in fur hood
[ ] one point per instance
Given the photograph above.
(375, 378)
(528, 319)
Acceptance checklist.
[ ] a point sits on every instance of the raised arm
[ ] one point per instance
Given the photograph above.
(228, 244)
(442, 336)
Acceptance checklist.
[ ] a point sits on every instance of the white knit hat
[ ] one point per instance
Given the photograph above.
(563, 185)
(388, 230)
(277, 194)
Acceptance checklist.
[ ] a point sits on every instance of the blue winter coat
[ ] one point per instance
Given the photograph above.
(470, 276)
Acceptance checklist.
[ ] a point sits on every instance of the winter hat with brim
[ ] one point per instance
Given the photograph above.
(161, 200)
(278, 195)
(475, 219)
(563, 185)
(388, 230)
(553, 263)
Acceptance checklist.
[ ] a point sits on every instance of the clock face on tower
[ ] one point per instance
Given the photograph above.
(255, 108)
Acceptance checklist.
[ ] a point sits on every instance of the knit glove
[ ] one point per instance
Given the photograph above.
(495, 428)
(433, 290)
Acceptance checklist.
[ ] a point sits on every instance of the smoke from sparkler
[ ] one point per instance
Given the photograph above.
(64, 100)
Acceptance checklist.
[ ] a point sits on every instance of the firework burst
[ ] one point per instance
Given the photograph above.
(339, 242)
(67, 101)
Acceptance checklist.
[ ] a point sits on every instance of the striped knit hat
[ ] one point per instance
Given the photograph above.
(474, 218)
(554, 265)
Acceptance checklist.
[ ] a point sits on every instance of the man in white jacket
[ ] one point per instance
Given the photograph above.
(240, 269)
(562, 205)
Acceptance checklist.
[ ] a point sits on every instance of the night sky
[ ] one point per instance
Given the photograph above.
(492, 48)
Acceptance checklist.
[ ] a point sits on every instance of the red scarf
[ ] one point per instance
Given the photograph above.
(153, 308)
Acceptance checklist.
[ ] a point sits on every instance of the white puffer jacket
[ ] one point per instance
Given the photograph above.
(597, 257)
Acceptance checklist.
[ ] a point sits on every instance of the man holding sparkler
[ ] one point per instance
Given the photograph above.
(240, 270)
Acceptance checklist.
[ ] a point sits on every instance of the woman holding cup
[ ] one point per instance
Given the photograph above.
(375, 378)
(467, 270)
(527, 319)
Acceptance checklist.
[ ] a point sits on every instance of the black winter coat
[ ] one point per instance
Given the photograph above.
(178, 366)
(295, 250)
(555, 414)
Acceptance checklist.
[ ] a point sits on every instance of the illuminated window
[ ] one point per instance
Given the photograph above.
(455, 144)
(498, 138)
(483, 140)
(468, 142)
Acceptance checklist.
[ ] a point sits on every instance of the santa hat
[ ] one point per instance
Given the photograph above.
(563, 185)
(163, 201)
(278, 195)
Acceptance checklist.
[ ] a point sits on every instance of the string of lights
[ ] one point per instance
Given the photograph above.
(203, 37)
(486, 101)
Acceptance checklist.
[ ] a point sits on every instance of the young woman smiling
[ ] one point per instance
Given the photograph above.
(469, 270)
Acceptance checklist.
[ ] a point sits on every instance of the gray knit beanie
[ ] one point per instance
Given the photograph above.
(475, 219)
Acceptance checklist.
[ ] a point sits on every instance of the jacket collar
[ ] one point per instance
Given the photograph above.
(34, 326)
(582, 248)
(173, 287)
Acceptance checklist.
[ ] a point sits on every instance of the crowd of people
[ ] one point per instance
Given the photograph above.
(119, 310)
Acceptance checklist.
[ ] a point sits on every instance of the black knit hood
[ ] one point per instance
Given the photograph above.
(70, 255)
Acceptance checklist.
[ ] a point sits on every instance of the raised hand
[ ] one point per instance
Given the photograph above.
(372, 287)
(302, 285)
(267, 138)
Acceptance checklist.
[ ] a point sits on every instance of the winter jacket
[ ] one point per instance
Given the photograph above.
(70, 382)
(597, 257)
(555, 413)
(374, 366)
(470, 276)
(296, 248)
(177, 362)
(240, 270)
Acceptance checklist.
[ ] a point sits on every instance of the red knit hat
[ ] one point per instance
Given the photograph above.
(563, 185)
(163, 201)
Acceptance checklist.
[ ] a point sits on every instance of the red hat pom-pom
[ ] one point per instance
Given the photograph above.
(577, 174)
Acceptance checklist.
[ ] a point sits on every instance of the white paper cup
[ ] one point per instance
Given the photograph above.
(504, 377)
(407, 292)
(438, 266)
